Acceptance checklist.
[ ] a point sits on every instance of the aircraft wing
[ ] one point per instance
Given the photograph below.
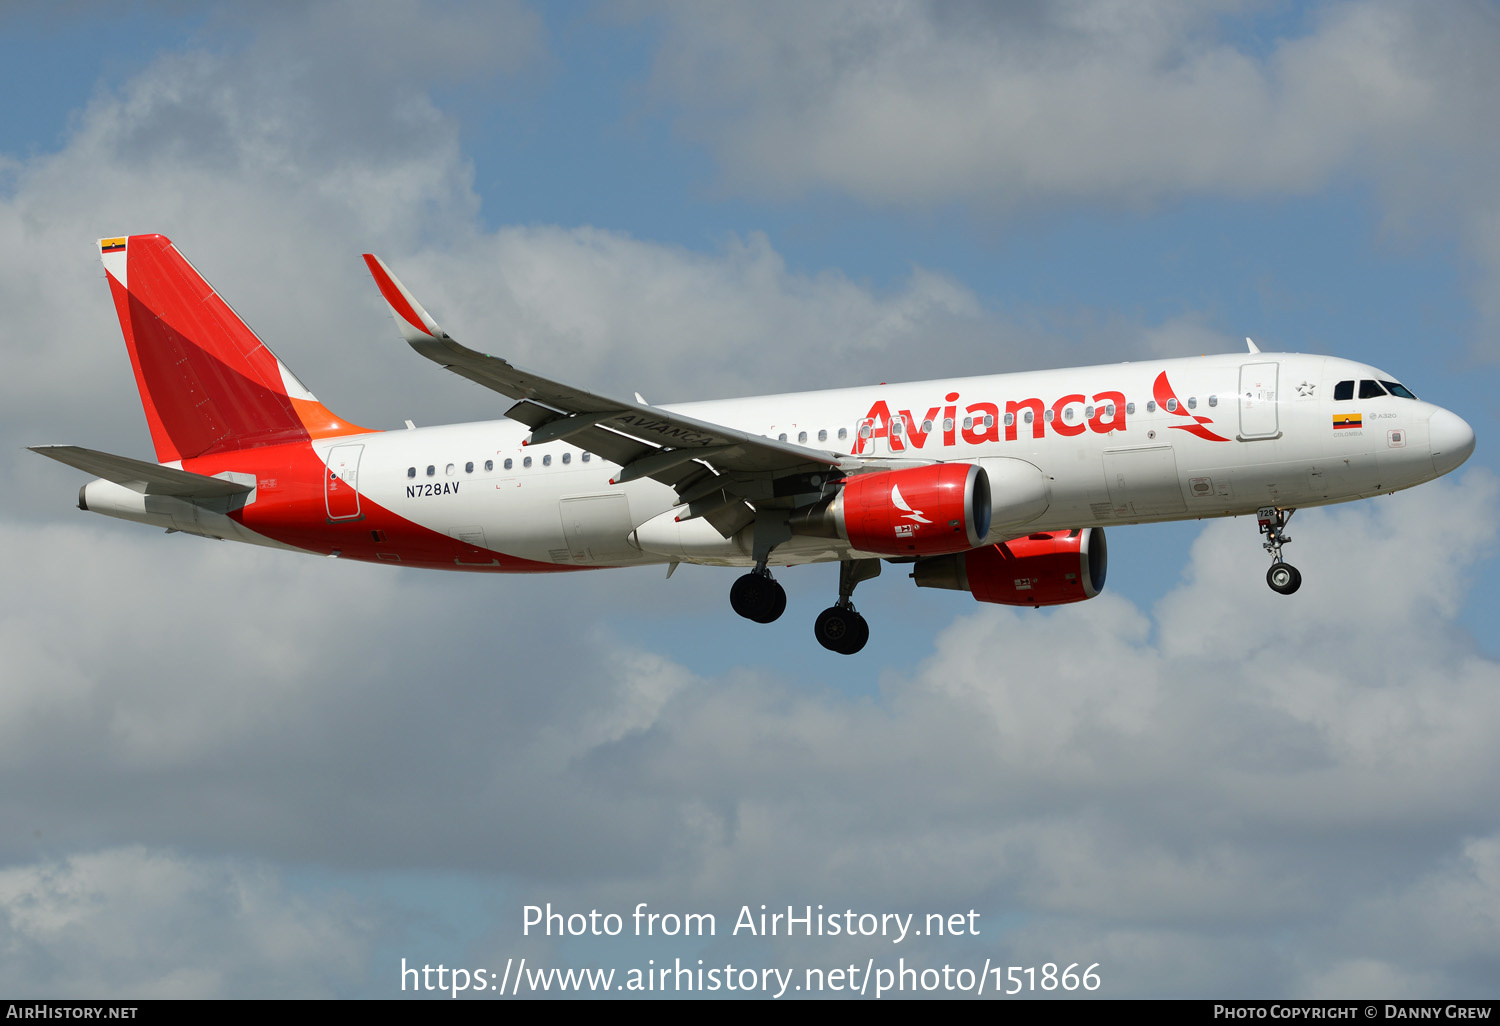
(712, 466)
(140, 476)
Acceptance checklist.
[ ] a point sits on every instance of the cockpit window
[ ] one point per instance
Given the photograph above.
(1370, 390)
(1343, 390)
(1398, 389)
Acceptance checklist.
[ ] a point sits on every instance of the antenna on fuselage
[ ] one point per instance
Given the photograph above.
(1253, 347)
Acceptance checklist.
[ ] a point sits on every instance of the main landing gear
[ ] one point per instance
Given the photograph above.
(757, 596)
(839, 628)
(1282, 577)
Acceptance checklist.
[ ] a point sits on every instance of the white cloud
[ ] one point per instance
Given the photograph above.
(135, 923)
(1170, 788)
(916, 103)
(1231, 767)
(1019, 107)
(271, 163)
(1235, 768)
(272, 172)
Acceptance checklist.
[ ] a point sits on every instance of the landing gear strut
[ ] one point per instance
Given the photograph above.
(756, 596)
(839, 628)
(1282, 577)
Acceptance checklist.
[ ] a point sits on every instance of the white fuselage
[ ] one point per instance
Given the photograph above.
(1247, 431)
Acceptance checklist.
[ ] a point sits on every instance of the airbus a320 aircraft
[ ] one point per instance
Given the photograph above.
(1000, 486)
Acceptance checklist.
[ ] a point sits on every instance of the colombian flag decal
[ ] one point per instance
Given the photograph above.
(1346, 420)
(111, 245)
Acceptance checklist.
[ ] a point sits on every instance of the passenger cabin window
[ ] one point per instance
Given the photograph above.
(526, 462)
(1192, 402)
(1151, 406)
(547, 460)
(1213, 400)
(781, 437)
(1397, 389)
(926, 427)
(469, 467)
(509, 464)
(448, 470)
(989, 421)
(1370, 389)
(947, 423)
(843, 433)
(585, 457)
(1171, 405)
(1029, 418)
(567, 457)
(1343, 390)
(968, 423)
(1010, 420)
(411, 471)
(489, 465)
(431, 470)
(1130, 407)
(822, 434)
(801, 437)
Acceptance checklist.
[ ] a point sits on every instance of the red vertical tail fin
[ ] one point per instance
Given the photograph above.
(207, 383)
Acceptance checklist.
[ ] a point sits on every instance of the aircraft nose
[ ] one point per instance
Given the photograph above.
(1452, 440)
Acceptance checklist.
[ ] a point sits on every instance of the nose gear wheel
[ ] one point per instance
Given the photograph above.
(1284, 578)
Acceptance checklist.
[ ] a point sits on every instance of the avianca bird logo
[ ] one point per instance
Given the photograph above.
(1167, 400)
(900, 503)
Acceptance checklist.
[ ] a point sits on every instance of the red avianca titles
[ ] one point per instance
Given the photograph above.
(998, 485)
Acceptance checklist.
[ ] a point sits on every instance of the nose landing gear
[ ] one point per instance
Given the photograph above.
(1282, 577)
(839, 628)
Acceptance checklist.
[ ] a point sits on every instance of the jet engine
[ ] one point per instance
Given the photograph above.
(944, 507)
(1046, 569)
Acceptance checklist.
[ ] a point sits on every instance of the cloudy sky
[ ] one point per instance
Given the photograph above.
(227, 771)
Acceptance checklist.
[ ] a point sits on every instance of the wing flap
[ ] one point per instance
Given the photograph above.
(140, 476)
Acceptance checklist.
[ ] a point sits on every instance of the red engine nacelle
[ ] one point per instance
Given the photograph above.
(1047, 569)
(928, 510)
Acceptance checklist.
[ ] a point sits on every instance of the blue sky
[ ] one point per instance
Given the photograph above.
(316, 770)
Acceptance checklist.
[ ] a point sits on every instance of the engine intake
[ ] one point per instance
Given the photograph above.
(928, 510)
(1046, 569)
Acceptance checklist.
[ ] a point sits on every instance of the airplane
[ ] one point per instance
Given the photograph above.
(998, 485)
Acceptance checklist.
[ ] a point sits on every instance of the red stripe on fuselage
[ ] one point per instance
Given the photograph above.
(290, 508)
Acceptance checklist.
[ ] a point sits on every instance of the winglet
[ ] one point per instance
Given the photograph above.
(1253, 347)
(415, 323)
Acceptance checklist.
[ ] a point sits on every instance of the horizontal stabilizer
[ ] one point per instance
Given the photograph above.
(140, 476)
